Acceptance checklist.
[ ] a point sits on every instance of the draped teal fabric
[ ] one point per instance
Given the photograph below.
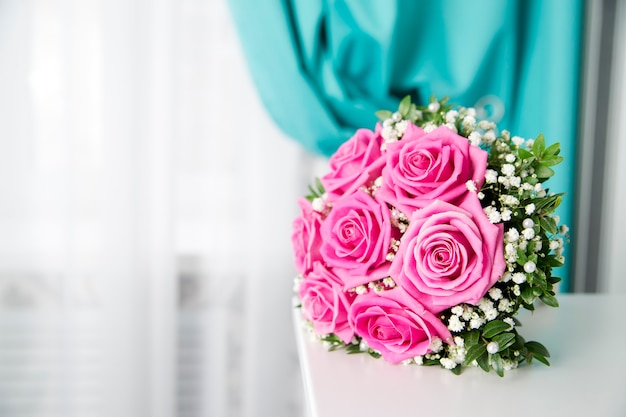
(323, 67)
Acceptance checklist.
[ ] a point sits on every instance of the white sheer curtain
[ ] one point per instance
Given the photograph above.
(145, 212)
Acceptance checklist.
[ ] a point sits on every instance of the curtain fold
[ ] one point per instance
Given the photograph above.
(323, 68)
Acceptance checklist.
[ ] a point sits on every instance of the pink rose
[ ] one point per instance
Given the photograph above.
(356, 236)
(449, 255)
(306, 239)
(395, 324)
(356, 162)
(325, 303)
(423, 167)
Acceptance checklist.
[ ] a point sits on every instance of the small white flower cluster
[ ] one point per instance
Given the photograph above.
(393, 129)
(399, 220)
(378, 286)
(393, 249)
(320, 204)
(467, 317)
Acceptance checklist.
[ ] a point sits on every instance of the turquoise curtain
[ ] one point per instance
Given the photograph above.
(323, 67)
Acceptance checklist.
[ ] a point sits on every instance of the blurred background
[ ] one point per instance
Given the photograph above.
(146, 200)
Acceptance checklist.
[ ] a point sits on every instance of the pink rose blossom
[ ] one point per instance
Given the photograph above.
(325, 304)
(423, 167)
(356, 162)
(449, 254)
(356, 235)
(395, 324)
(306, 239)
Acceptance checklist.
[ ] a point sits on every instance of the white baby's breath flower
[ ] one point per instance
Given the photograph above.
(519, 277)
(435, 344)
(491, 314)
(429, 127)
(361, 289)
(504, 305)
(471, 186)
(457, 310)
(491, 176)
(511, 235)
(510, 158)
(485, 304)
(389, 282)
(475, 138)
(492, 214)
(448, 363)
(509, 200)
(401, 127)
(530, 208)
(486, 125)
(419, 360)
(451, 116)
(469, 122)
(476, 322)
(508, 169)
(528, 233)
(506, 277)
(506, 214)
(489, 136)
(495, 293)
(454, 324)
(517, 141)
(509, 321)
(389, 134)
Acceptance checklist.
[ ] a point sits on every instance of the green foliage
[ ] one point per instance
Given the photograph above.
(316, 190)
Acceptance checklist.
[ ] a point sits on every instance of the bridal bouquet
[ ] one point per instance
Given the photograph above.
(426, 237)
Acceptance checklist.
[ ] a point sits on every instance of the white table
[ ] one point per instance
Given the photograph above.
(586, 337)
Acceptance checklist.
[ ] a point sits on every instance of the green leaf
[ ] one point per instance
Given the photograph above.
(496, 364)
(528, 295)
(504, 340)
(472, 338)
(373, 353)
(552, 150)
(352, 349)
(525, 155)
(320, 186)
(405, 106)
(554, 280)
(552, 160)
(383, 115)
(541, 359)
(494, 328)
(474, 352)
(539, 145)
(549, 300)
(483, 361)
(536, 347)
(548, 224)
(457, 370)
(543, 171)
